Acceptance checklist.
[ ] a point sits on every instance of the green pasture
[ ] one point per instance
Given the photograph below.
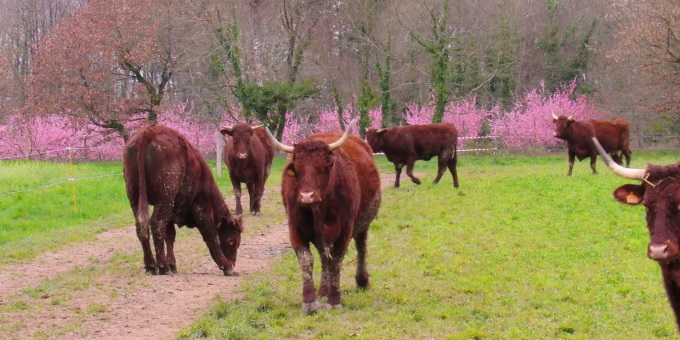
(520, 250)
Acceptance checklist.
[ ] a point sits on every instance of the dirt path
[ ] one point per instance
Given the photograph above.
(98, 290)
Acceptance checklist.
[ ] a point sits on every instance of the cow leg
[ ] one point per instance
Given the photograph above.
(309, 302)
(593, 158)
(170, 234)
(572, 155)
(324, 256)
(144, 239)
(452, 167)
(409, 172)
(254, 192)
(442, 160)
(397, 169)
(627, 154)
(361, 276)
(334, 268)
(159, 221)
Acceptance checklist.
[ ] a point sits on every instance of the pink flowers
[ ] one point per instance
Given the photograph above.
(527, 125)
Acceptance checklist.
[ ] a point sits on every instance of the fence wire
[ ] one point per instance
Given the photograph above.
(9, 193)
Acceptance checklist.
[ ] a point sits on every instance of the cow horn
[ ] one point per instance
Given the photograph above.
(279, 145)
(344, 137)
(257, 126)
(553, 114)
(226, 129)
(638, 174)
(570, 118)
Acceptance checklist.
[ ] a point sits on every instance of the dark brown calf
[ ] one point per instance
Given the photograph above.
(659, 191)
(163, 169)
(403, 145)
(248, 156)
(613, 134)
(331, 192)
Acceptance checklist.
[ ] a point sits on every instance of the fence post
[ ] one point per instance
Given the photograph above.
(219, 147)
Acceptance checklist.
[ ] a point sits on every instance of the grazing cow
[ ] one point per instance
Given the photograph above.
(331, 193)
(249, 160)
(163, 169)
(613, 134)
(403, 145)
(659, 191)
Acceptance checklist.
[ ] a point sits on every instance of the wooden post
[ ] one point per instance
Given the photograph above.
(219, 147)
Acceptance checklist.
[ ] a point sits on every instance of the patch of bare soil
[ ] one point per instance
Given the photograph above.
(85, 291)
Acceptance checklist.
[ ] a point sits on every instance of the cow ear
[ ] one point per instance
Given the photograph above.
(632, 194)
(226, 131)
(289, 170)
(380, 132)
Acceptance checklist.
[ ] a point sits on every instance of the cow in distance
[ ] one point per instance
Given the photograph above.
(403, 145)
(248, 156)
(659, 191)
(331, 193)
(613, 134)
(162, 169)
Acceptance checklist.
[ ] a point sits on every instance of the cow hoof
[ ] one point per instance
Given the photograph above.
(416, 181)
(255, 213)
(310, 307)
(230, 272)
(337, 306)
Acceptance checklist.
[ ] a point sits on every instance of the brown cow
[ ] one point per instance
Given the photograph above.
(331, 193)
(614, 135)
(163, 169)
(249, 160)
(403, 145)
(659, 191)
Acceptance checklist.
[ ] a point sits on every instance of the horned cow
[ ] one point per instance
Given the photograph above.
(248, 157)
(613, 134)
(331, 193)
(163, 169)
(659, 192)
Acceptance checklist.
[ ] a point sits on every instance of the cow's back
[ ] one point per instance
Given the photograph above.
(175, 171)
(612, 134)
(430, 140)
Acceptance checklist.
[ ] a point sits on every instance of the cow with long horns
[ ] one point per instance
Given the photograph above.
(331, 193)
(659, 191)
(613, 134)
(248, 156)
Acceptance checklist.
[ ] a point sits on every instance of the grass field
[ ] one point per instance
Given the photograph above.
(520, 250)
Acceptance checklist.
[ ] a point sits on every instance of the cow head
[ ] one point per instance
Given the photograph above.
(229, 233)
(240, 136)
(562, 125)
(313, 165)
(374, 138)
(659, 191)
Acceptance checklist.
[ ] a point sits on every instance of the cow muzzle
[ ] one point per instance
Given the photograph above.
(242, 155)
(309, 197)
(663, 251)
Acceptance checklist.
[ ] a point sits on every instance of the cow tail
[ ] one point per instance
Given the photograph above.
(142, 200)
